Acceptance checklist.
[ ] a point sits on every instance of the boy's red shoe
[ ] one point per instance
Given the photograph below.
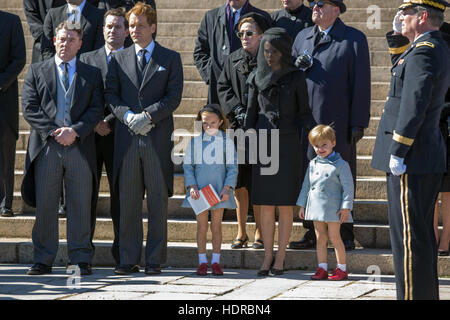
(216, 269)
(321, 274)
(338, 275)
(202, 269)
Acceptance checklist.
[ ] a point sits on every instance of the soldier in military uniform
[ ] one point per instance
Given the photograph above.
(410, 148)
(294, 17)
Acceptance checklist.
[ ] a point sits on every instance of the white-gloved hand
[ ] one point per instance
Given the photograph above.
(397, 166)
(397, 24)
(128, 117)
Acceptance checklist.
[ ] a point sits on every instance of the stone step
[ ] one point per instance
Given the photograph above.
(366, 235)
(365, 210)
(184, 254)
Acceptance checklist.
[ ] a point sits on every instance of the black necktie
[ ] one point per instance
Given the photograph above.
(319, 37)
(65, 76)
(143, 60)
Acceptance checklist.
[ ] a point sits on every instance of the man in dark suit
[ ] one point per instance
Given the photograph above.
(217, 39)
(411, 150)
(12, 61)
(115, 31)
(35, 12)
(62, 101)
(294, 17)
(144, 86)
(84, 16)
(336, 60)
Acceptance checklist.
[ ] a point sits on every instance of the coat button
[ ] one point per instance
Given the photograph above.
(293, 18)
(224, 47)
(312, 188)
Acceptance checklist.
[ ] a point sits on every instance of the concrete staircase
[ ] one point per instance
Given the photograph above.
(177, 29)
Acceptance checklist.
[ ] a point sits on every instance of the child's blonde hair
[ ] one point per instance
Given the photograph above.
(321, 132)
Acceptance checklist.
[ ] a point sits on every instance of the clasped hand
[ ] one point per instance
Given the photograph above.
(140, 123)
(65, 136)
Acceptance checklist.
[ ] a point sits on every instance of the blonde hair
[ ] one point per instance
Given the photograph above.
(321, 132)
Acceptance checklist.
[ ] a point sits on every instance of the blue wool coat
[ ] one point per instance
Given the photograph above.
(211, 160)
(327, 188)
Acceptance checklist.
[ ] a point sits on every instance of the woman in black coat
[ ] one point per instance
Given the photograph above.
(232, 90)
(278, 98)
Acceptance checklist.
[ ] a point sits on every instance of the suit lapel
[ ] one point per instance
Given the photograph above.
(49, 74)
(79, 81)
(130, 65)
(153, 66)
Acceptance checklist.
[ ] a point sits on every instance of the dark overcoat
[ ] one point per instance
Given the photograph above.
(420, 79)
(91, 21)
(39, 107)
(338, 82)
(293, 22)
(232, 88)
(213, 46)
(159, 94)
(12, 61)
(35, 12)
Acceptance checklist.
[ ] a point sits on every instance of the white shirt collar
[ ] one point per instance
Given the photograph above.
(71, 63)
(109, 51)
(149, 48)
(79, 8)
(327, 30)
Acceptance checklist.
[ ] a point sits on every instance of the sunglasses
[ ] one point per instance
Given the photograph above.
(247, 33)
(320, 3)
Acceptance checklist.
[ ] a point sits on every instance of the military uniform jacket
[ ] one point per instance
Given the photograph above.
(293, 22)
(213, 45)
(409, 126)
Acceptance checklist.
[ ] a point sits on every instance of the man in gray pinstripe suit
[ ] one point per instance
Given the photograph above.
(143, 88)
(62, 101)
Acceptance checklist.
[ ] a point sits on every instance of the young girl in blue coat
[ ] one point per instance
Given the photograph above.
(327, 195)
(210, 158)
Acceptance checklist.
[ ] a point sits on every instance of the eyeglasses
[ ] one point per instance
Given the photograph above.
(247, 33)
(320, 3)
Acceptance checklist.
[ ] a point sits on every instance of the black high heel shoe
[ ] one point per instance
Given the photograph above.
(265, 273)
(443, 253)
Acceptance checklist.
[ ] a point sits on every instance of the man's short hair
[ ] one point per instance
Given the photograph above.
(321, 132)
(69, 26)
(117, 12)
(435, 16)
(141, 8)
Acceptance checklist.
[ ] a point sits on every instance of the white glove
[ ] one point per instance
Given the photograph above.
(396, 165)
(397, 24)
(128, 117)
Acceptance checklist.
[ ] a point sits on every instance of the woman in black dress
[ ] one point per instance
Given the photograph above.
(232, 90)
(278, 98)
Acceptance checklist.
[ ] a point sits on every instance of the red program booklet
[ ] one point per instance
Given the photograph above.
(208, 198)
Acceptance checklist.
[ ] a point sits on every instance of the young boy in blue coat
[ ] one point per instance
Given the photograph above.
(327, 194)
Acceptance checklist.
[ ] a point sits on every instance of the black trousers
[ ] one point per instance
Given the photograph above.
(411, 200)
(105, 155)
(7, 161)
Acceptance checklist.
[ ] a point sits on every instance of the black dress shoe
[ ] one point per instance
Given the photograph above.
(7, 212)
(349, 245)
(302, 244)
(38, 269)
(276, 272)
(443, 253)
(85, 269)
(126, 269)
(152, 269)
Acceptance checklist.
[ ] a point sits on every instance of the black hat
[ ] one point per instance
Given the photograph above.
(435, 4)
(340, 4)
(260, 20)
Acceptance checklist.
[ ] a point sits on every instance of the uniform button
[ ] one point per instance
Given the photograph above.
(293, 18)
(224, 47)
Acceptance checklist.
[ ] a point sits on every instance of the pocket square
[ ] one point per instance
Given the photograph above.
(161, 68)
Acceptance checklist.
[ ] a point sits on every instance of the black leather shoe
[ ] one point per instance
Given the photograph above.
(152, 269)
(7, 212)
(85, 269)
(302, 244)
(349, 245)
(126, 269)
(62, 212)
(38, 269)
